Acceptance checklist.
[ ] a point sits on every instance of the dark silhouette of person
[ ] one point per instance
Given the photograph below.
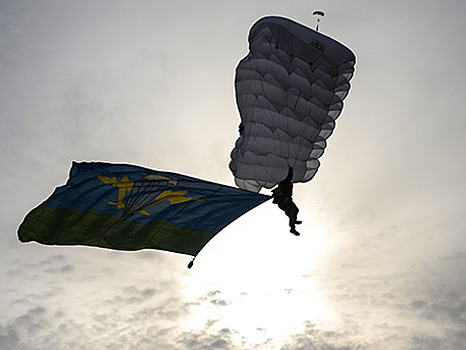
(282, 196)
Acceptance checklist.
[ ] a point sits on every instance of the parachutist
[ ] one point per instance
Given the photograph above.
(282, 196)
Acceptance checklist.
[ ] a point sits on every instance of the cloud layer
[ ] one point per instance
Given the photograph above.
(381, 263)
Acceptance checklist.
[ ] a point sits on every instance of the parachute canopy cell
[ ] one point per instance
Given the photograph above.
(289, 91)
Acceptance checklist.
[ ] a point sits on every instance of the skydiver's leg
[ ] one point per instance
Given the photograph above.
(292, 212)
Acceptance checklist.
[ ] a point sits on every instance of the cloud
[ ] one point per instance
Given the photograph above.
(30, 324)
(452, 340)
(133, 295)
(211, 297)
(55, 263)
(9, 337)
(134, 326)
(144, 314)
(61, 269)
(316, 339)
(204, 339)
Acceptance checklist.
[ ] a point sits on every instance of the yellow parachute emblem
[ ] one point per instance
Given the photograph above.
(126, 185)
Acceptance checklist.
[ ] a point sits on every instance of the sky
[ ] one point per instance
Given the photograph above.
(381, 260)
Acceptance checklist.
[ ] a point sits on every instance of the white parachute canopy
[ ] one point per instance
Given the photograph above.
(289, 90)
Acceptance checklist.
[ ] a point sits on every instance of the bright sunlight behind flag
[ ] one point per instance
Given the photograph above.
(127, 207)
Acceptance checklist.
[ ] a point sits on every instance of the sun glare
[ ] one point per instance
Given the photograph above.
(260, 278)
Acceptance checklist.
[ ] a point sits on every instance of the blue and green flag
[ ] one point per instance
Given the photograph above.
(127, 207)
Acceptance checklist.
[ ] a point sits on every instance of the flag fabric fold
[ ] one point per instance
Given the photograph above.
(128, 207)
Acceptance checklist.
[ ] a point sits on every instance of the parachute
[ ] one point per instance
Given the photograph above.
(289, 91)
(318, 14)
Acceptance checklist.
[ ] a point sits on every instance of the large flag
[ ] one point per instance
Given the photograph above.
(127, 207)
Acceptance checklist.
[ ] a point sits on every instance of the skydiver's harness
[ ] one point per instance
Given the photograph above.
(282, 196)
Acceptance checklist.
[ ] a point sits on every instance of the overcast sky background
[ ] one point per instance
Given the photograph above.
(381, 262)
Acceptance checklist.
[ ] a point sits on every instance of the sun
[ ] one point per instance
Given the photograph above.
(262, 278)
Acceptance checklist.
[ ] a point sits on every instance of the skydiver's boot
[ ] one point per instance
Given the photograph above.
(293, 231)
(293, 223)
